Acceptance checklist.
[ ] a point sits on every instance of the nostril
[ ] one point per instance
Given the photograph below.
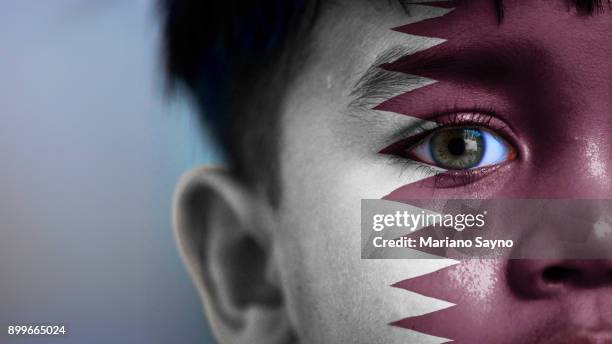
(538, 279)
(560, 274)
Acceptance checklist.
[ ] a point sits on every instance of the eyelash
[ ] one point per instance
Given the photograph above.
(455, 117)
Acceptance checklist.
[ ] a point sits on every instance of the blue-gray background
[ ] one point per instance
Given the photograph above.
(90, 150)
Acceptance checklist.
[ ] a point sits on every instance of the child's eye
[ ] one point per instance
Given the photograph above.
(462, 148)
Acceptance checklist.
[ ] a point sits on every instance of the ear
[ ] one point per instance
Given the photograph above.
(224, 236)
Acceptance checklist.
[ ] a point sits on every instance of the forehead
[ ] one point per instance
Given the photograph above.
(487, 19)
(467, 19)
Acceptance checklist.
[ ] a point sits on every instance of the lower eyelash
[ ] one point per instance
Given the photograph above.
(452, 179)
(441, 179)
(409, 165)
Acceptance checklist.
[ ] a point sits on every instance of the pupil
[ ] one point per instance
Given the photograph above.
(456, 146)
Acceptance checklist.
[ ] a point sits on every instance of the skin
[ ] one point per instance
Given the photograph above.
(293, 273)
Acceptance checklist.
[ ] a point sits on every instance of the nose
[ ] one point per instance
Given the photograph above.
(540, 278)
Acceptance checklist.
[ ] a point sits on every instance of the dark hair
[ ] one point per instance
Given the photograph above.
(233, 58)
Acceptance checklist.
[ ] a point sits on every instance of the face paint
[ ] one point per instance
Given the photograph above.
(549, 85)
(544, 71)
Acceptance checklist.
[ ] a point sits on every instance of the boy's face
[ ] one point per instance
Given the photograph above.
(537, 85)
(543, 73)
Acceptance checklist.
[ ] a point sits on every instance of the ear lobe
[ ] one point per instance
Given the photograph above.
(223, 235)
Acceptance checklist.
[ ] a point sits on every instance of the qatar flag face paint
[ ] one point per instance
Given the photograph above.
(539, 78)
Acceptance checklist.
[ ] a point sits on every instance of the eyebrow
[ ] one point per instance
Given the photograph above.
(399, 71)
(378, 84)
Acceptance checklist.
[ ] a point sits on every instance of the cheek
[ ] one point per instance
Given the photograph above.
(482, 305)
(333, 295)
